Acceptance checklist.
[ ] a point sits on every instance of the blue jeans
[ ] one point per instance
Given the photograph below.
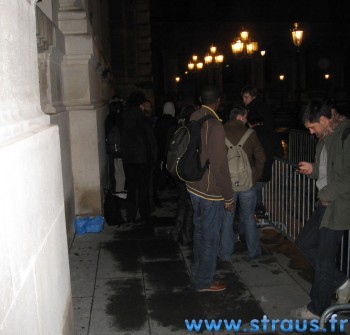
(247, 226)
(320, 247)
(207, 220)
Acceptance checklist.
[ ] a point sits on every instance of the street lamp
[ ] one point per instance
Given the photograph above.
(327, 77)
(194, 64)
(244, 44)
(281, 77)
(214, 60)
(297, 36)
(212, 57)
(263, 53)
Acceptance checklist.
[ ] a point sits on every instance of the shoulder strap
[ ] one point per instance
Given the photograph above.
(245, 137)
(205, 118)
(228, 142)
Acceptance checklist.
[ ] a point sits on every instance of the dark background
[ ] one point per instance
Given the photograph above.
(180, 28)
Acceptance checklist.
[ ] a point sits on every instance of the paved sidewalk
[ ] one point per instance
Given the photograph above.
(135, 280)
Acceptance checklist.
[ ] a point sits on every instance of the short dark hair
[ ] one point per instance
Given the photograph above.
(210, 95)
(315, 109)
(253, 91)
(237, 110)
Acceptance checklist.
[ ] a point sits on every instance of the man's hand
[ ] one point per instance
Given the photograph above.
(229, 207)
(305, 168)
(325, 203)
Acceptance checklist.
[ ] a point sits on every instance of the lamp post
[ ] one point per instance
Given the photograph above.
(243, 44)
(327, 77)
(177, 81)
(263, 53)
(194, 65)
(281, 78)
(214, 62)
(297, 36)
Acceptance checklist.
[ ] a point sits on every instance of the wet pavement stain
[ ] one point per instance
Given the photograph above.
(165, 221)
(276, 242)
(127, 304)
(166, 275)
(160, 249)
(171, 309)
(134, 232)
(125, 253)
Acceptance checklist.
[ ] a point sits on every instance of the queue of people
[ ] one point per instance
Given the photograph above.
(207, 208)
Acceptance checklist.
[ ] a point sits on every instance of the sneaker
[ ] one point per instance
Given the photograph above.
(304, 314)
(343, 294)
(214, 287)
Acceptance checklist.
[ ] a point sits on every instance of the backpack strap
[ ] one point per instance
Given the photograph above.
(245, 137)
(205, 118)
(242, 140)
(228, 142)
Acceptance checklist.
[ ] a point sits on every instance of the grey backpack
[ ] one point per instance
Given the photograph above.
(238, 163)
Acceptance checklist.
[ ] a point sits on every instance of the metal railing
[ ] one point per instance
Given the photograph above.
(290, 198)
(301, 146)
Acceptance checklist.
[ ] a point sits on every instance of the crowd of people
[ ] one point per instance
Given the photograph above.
(209, 209)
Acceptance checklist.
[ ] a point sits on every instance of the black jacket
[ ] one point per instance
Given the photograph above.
(257, 109)
(272, 147)
(138, 142)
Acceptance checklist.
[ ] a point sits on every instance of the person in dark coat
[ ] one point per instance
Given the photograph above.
(273, 148)
(256, 107)
(164, 129)
(113, 126)
(139, 153)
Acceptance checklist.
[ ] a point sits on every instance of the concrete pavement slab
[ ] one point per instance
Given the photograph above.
(82, 314)
(119, 307)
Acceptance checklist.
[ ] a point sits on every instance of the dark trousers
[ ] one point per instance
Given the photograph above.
(137, 184)
(320, 247)
(111, 172)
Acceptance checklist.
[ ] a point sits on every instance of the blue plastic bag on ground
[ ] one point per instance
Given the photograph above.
(88, 224)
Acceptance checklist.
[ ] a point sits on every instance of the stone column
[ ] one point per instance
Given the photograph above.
(82, 66)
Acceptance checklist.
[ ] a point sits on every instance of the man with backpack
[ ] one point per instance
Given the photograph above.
(244, 190)
(210, 196)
